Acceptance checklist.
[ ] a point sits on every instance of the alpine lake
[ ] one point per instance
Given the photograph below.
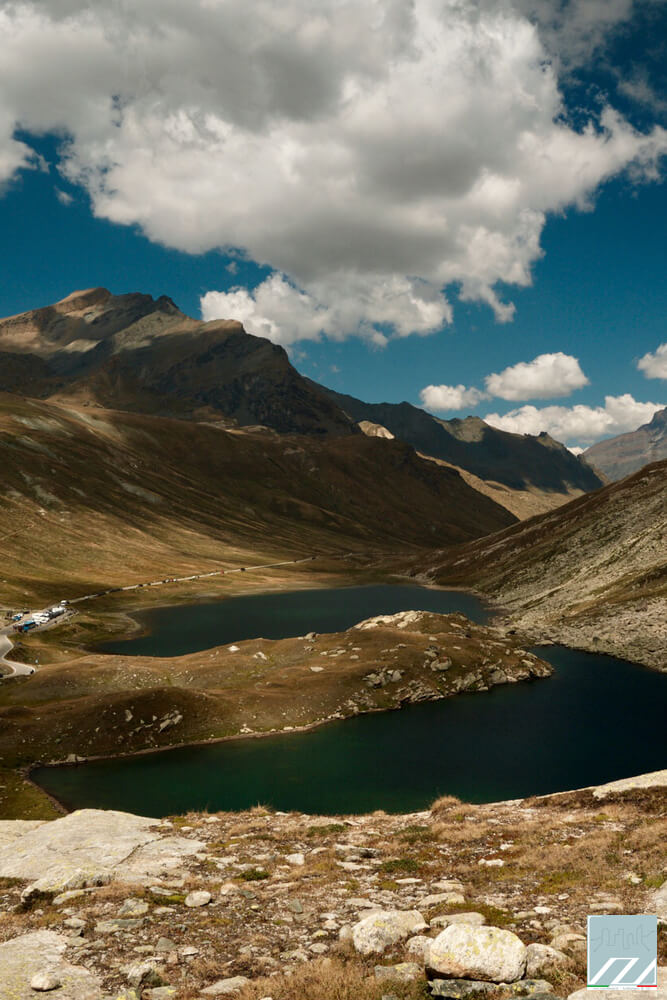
(595, 719)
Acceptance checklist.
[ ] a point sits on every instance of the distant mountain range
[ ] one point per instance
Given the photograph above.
(518, 461)
(620, 456)
(143, 355)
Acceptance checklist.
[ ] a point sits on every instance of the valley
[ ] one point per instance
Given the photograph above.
(273, 593)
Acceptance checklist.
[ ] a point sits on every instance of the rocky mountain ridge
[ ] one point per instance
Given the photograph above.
(627, 453)
(516, 461)
(131, 352)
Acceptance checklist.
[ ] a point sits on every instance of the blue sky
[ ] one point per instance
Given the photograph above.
(137, 202)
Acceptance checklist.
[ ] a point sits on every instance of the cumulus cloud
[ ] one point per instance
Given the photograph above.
(580, 423)
(277, 310)
(450, 397)
(654, 365)
(546, 377)
(370, 152)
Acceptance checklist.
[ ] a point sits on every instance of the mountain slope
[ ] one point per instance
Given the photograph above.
(90, 498)
(621, 456)
(591, 574)
(513, 460)
(134, 353)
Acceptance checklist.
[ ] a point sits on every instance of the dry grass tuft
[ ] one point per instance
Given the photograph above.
(330, 979)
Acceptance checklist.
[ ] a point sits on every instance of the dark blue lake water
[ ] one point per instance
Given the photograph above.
(187, 628)
(596, 719)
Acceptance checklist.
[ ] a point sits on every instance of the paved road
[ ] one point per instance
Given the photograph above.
(23, 669)
(194, 576)
(17, 669)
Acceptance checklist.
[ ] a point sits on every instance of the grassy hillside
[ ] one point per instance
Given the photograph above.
(92, 498)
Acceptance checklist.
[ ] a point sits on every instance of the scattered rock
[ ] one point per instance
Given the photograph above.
(29, 955)
(445, 919)
(404, 972)
(43, 982)
(195, 899)
(529, 987)
(295, 859)
(448, 898)
(462, 989)
(462, 951)
(133, 908)
(541, 960)
(378, 931)
(224, 987)
(419, 947)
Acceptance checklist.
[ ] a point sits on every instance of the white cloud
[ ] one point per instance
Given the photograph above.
(654, 365)
(277, 310)
(374, 151)
(546, 377)
(450, 397)
(576, 450)
(579, 423)
(64, 197)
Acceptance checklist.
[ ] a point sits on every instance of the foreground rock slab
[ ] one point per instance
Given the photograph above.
(87, 845)
(462, 951)
(32, 965)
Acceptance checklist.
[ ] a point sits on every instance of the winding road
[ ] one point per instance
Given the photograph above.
(17, 669)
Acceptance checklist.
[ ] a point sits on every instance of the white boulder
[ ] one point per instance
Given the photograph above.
(462, 951)
(380, 930)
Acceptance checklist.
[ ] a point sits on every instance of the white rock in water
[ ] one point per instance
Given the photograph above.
(462, 951)
(45, 981)
(377, 932)
(201, 898)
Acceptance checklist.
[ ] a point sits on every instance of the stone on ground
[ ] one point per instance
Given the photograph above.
(195, 899)
(380, 930)
(404, 972)
(226, 987)
(462, 989)
(23, 959)
(541, 960)
(462, 951)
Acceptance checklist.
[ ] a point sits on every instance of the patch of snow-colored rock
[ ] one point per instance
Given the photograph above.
(89, 846)
(30, 962)
(462, 951)
(380, 930)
